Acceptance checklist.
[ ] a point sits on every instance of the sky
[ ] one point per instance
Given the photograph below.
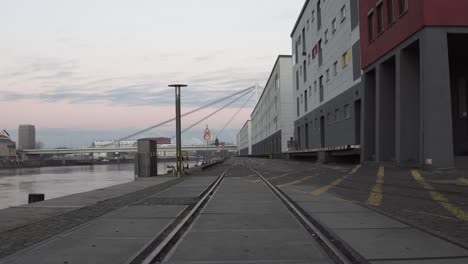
(103, 66)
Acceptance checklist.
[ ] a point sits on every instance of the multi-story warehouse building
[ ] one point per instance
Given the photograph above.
(244, 140)
(414, 56)
(26, 137)
(272, 118)
(327, 76)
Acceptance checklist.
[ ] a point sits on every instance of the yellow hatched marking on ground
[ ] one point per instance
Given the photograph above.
(376, 195)
(463, 180)
(325, 189)
(440, 198)
(294, 182)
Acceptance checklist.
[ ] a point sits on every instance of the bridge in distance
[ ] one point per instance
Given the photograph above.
(120, 150)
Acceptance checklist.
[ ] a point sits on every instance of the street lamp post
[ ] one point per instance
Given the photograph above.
(178, 129)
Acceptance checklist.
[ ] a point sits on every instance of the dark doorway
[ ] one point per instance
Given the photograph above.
(307, 135)
(322, 131)
(387, 110)
(369, 116)
(357, 122)
(299, 138)
(458, 54)
(409, 107)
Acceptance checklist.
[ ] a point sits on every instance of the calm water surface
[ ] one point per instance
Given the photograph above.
(16, 184)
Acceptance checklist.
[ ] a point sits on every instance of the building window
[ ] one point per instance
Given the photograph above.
(370, 23)
(380, 18)
(277, 82)
(337, 112)
(403, 6)
(297, 80)
(310, 91)
(325, 36)
(308, 59)
(321, 88)
(303, 42)
(320, 55)
(344, 59)
(305, 71)
(335, 68)
(343, 13)
(305, 101)
(347, 111)
(313, 15)
(298, 107)
(334, 26)
(296, 55)
(391, 11)
(319, 16)
(327, 75)
(300, 70)
(276, 103)
(307, 24)
(315, 86)
(302, 98)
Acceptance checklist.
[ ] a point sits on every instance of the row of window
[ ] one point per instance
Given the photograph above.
(317, 50)
(346, 59)
(389, 6)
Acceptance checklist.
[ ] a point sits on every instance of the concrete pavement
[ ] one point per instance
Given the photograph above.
(245, 222)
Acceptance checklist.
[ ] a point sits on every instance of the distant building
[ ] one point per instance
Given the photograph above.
(7, 147)
(26, 137)
(273, 116)
(244, 140)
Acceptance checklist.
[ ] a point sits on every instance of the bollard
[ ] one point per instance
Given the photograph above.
(35, 197)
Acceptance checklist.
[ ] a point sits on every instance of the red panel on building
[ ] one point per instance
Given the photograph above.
(420, 13)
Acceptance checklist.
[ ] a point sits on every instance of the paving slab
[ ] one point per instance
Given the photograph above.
(350, 220)
(425, 261)
(246, 223)
(282, 246)
(331, 207)
(147, 211)
(246, 207)
(210, 222)
(123, 228)
(77, 250)
(380, 244)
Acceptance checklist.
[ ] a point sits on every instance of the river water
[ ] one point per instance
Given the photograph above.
(16, 184)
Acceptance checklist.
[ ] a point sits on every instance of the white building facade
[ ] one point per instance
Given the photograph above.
(327, 76)
(273, 116)
(244, 140)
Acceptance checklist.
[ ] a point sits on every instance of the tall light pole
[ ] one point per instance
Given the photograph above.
(178, 128)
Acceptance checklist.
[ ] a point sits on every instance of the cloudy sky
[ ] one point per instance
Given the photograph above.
(104, 65)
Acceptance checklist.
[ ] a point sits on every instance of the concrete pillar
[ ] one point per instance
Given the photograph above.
(408, 129)
(436, 112)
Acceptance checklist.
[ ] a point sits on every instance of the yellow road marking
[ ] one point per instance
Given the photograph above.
(375, 197)
(335, 183)
(294, 182)
(462, 180)
(440, 198)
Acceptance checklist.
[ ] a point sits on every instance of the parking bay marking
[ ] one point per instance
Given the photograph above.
(440, 198)
(336, 182)
(376, 195)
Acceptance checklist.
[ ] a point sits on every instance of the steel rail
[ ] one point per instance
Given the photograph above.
(157, 251)
(306, 222)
